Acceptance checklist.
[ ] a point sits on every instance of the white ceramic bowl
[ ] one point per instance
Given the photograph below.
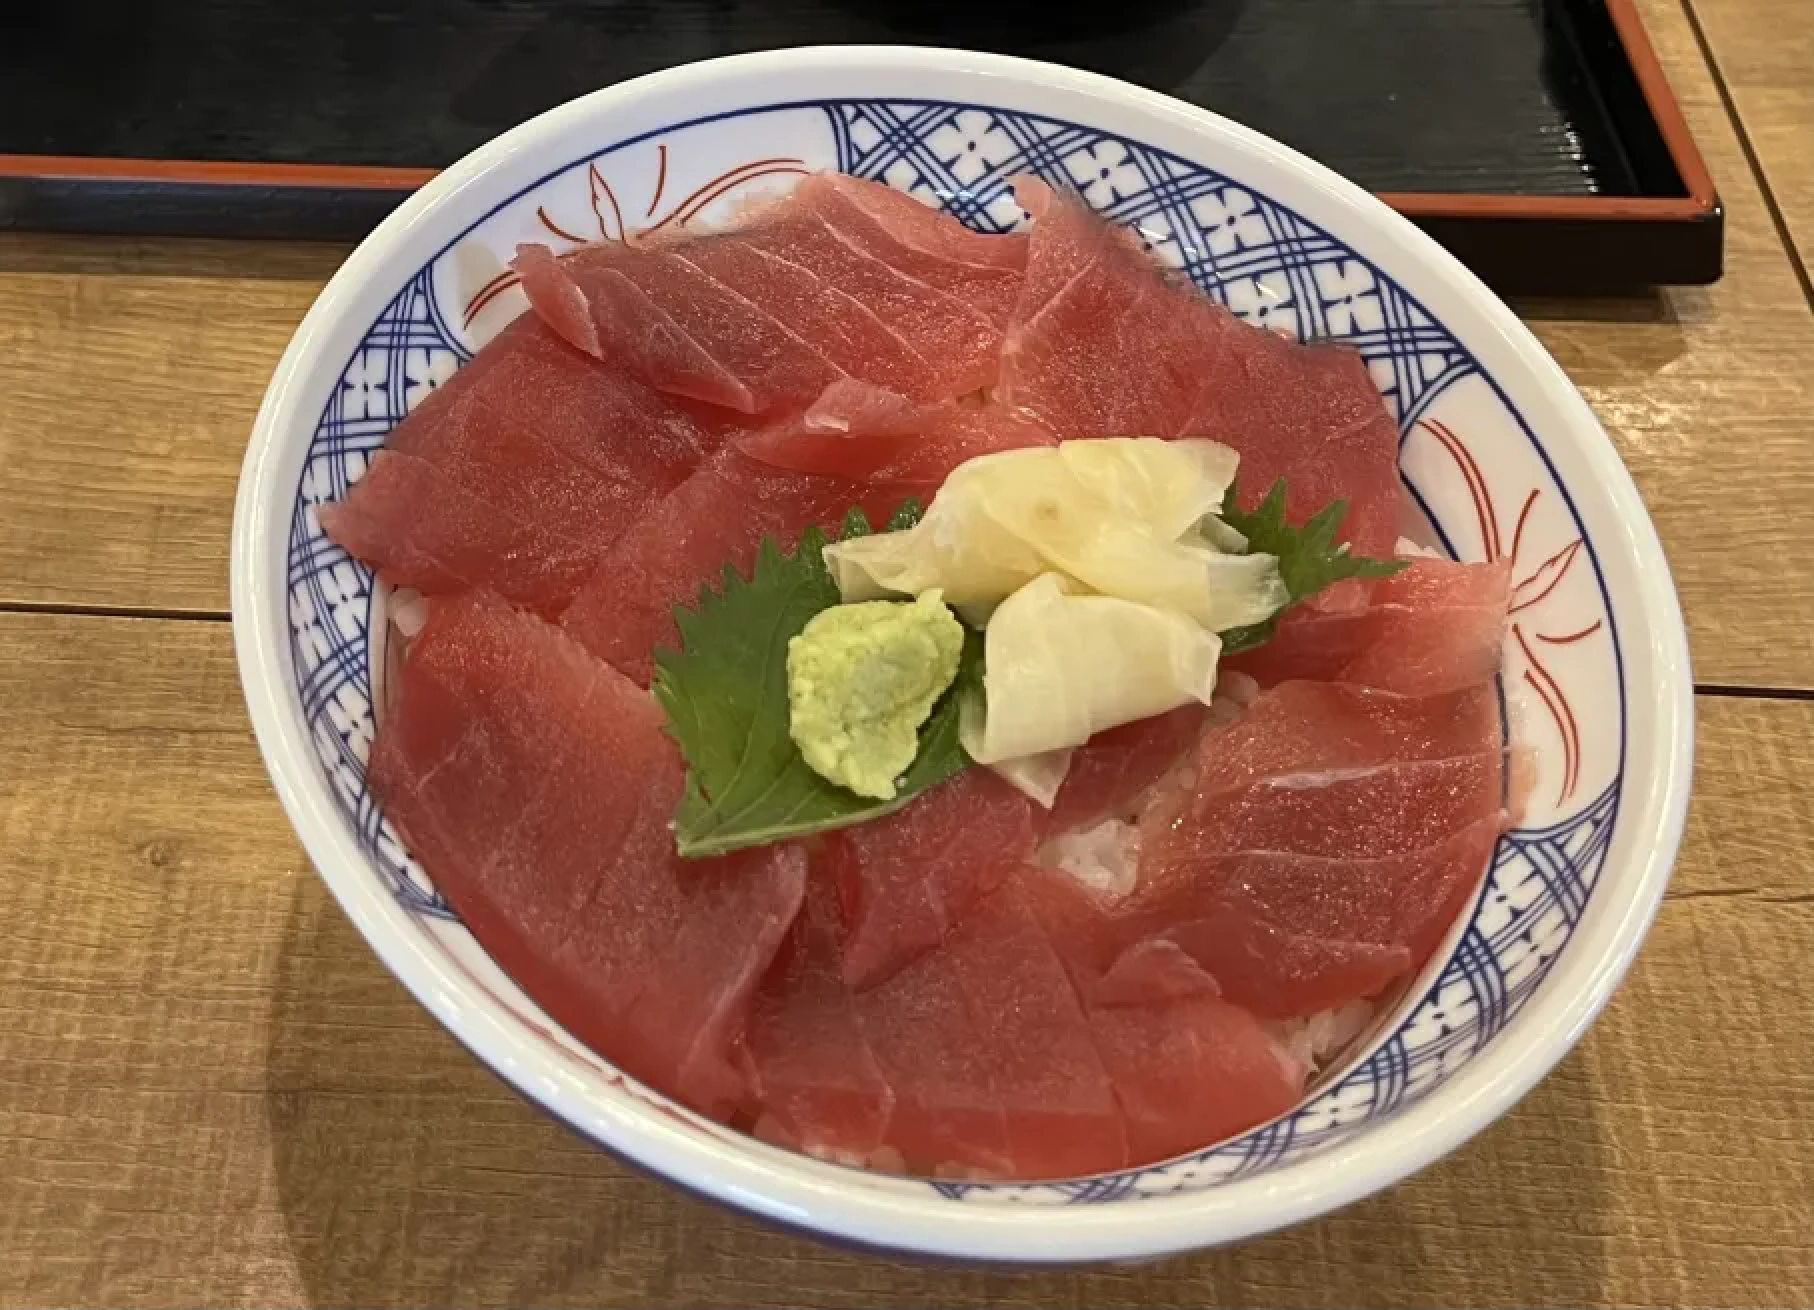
(1498, 447)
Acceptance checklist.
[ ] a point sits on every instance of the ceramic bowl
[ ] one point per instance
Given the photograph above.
(1498, 449)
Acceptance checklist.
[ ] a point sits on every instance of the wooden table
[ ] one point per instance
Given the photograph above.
(211, 1092)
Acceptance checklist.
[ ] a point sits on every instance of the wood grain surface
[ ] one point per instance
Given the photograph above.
(1764, 52)
(212, 1093)
(215, 1094)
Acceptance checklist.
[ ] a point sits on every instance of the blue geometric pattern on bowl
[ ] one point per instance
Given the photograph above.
(1273, 268)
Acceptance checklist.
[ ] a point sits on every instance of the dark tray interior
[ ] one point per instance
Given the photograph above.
(1445, 97)
(1498, 96)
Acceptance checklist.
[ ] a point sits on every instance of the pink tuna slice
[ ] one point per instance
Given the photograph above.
(715, 519)
(1156, 970)
(1059, 1107)
(1114, 771)
(550, 455)
(956, 339)
(948, 1117)
(855, 431)
(1284, 975)
(1361, 813)
(1185, 366)
(1192, 1071)
(814, 1077)
(848, 333)
(1308, 728)
(907, 880)
(675, 326)
(1289, 935)
(1093, 296)
(922, 227)
(1326, 842)
(419, 528)
(502, 760)
(988, 1058)
(1436, 626)
(921, 243)
(1188, 1068)
(1311, 415)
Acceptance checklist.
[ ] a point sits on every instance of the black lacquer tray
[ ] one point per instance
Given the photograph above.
(1538, 139)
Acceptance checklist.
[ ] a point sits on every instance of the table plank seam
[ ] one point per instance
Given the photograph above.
(1753, 161)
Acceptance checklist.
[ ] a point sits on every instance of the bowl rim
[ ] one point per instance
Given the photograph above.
(798, 1193)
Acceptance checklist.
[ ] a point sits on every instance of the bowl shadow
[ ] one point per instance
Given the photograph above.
(408, 1175)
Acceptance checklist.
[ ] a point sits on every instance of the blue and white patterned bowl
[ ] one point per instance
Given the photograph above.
(1499, 449)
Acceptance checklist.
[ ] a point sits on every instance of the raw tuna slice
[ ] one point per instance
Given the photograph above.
(1289, 935)
(1285, 975)
(560, 450)
(501, 759)
(1437, 626)
(737, 913)
(858, 432)
(922, 227)
(846, 332)
(1309, 414)
(921, 243)
(1154, 970)
(675, 327)
(1184, 366)
(815, 1079)
(907, 880)
(419, 528)
(1318, 731)
(1058, 1105)
(1190, 1069)
(1115, 770)
(1093, 296)
(1353, 814)
(948, 1117)
(535, 386)
(716, 518)
(957, 339)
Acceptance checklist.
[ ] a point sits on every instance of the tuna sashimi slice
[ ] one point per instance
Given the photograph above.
(1436, 626)
(738, 911)
(1278, 974)
(1191, 1070)
(855, 431)
(1114, 771)
(1058, 1104)
(535, 385)
(922, 243)
(923, 228)
(634, 437)
(501, 759)
(1356, 814)
(1188, 1067)
(1310, 728)
(959, 341)
(419, 528)
(948, 1117)
(1093, 296)
(847, 333)
(715, 519)
(562, 451)
(673, 326)
(1288, 935)
(907, 880)
(815, 1079)
(1311, 415)
(1157, 969)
